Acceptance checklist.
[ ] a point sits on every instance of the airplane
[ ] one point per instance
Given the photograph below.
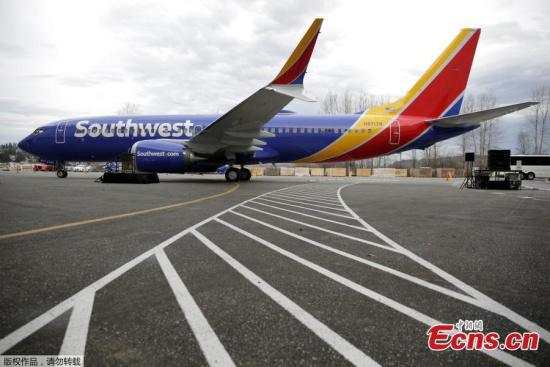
(258, 130)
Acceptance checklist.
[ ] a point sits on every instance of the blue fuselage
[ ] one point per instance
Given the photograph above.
(106, 138)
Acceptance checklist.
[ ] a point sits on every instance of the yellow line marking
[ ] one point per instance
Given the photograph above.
(97, 220)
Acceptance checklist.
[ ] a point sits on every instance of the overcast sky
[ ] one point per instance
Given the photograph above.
(62, 59)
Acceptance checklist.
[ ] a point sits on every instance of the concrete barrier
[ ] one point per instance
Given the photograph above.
(363, 172)
(287, 171)
(383, 172)
(257, 171)
(301, 171)
(317, 171)
(335, 172)
(401, 172)
(271, 171)
(421, 172)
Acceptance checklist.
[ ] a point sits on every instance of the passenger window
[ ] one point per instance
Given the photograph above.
(322, 131)
(316, 131)
(329, 130)
(362, 131)
(294, 130)
(356, 131)
(287, 130)
(369, 131)
(302, 130)
(309, 130)
(280, 130)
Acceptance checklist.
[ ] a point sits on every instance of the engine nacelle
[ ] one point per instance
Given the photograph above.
(162, 157)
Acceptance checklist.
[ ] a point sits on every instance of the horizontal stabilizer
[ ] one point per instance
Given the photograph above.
(476, 118)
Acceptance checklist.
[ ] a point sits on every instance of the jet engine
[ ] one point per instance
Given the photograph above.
(163, 157)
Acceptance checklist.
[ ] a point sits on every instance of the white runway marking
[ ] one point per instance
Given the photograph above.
(76, 334)
(301, 207)
(367, 262)
(212, 348)
(419, 316)
(350, 352)
(318, 228)
(303, 203)
(303, 198)
(310, 216)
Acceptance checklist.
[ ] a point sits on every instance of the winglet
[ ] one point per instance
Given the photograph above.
(295, 68)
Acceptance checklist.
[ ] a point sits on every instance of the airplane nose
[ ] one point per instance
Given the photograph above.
(25, 144)
(22, 144)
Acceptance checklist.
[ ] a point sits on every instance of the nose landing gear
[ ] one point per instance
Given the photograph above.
(61, 171)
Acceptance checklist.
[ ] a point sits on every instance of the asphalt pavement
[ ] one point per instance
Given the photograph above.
(275, 271)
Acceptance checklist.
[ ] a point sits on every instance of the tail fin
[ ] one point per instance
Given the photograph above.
(440, 90)
(295, 68)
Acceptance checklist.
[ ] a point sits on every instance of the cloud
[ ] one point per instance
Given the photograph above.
(12, 51)
(15, 107)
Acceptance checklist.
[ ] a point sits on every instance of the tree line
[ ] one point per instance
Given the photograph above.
(10, 152)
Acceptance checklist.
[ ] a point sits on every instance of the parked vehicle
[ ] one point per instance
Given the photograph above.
(82, 168)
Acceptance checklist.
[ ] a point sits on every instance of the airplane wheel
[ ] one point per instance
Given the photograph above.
(530, 176)
(232, 175)
(246, 174)
(62, 173)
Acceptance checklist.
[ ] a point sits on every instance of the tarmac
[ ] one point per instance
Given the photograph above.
(275, 271)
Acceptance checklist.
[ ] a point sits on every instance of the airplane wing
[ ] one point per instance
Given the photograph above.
(476, 118)
(239, 130)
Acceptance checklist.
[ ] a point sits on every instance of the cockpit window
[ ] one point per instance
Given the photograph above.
(38, 131)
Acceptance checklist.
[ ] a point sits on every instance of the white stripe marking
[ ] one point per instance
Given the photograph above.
(488, 303)
(499, 355)
(301, 207)
(330, 195)
(310, 198)
(312, 226)
(212, 348)
(397, 273)
(342, 346)
(74, 342)
(303, 203)
(329, 198)
(308, 215)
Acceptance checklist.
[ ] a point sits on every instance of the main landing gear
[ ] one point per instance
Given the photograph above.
(234, 174)
(61, 171)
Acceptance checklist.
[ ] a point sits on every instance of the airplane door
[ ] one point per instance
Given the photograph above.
(395, 132)
(197, 130)
(60, 132)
